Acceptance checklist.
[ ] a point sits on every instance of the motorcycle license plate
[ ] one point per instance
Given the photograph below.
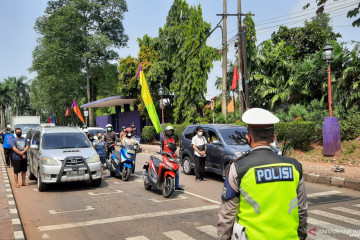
(75, 173)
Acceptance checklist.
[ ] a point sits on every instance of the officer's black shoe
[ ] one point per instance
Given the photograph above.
(179, 189)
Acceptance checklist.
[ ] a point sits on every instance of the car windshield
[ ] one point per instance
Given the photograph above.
(25, 127)
(65, 140)
(234, 136)
(95, 131)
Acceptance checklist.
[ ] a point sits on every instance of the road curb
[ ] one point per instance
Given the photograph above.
(13, 209)
(332, 181)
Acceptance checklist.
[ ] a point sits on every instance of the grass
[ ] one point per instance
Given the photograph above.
(349, 156)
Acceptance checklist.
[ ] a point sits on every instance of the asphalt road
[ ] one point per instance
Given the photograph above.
(125, 210)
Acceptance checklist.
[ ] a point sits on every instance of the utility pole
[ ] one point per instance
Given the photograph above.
(241, 104)
(224, 60)
(245, 70)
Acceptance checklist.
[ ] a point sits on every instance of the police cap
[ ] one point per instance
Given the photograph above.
(258, 117)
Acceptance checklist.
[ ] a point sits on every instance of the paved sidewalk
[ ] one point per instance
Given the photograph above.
(316, 172)
(10, 227)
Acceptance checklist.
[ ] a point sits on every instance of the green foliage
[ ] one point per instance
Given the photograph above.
(149, 134)
(128, 85)
(297, 134)
(179, 129)
(350, 126)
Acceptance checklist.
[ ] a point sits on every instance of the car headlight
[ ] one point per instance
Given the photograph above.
(95, 158)
(50, 161)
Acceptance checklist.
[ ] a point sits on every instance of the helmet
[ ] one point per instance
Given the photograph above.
(168, 128)
(123, 127)
(259, 117)
(108, 125)
(128, 130)
(85, 130)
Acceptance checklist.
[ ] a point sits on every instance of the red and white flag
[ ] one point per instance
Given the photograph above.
(67, 113)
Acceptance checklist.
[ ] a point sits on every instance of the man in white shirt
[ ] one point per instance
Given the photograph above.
(199, 145)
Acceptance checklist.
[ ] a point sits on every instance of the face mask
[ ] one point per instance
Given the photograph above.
(7, 132)
(109, 129)
(200, 133)
(169, 134)
(18, 134)
(129, 134)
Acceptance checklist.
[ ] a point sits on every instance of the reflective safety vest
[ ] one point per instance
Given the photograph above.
(268, 206)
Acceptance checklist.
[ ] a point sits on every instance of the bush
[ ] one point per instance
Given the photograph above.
(296, 134)
(350, 126)
(149, 134)
(179, 129)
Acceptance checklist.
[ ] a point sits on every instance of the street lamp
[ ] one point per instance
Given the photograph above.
(328, 56)
(331, 126)
(162, 93)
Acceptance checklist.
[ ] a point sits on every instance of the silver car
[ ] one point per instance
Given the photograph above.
(62, 154)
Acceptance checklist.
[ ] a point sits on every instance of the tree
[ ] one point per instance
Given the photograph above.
(6, 96)
(350, 14)
(84, 32)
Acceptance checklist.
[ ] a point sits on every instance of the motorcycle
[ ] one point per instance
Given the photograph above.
(160, 174)
(122, 162)
(137, 144)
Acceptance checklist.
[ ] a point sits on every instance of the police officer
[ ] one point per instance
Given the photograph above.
(264, 193)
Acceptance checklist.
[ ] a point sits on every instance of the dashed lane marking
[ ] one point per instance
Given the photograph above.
(347, 210)
(96, 194)
(19, 235)
(168, 200)
(15, 221)
(125, 218)
(209, 230)
(336, 217)
(331, 227)
(45, 236)
(321, 194)
(13, 211)
(204, 198)
(11, 202)
(178, 235)
(87, 208)
(138, 238)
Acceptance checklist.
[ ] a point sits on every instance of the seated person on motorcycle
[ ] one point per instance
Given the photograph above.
(110, 139)
(169, 145)
(129, 139)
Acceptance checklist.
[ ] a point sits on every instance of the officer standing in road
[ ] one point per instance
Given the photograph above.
(264, 193)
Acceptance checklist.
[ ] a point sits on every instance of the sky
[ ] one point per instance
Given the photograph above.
(18, 37)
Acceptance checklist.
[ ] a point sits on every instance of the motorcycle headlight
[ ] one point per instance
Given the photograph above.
(95, 158)
(50, 161)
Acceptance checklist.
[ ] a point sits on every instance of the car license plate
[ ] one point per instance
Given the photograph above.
(75, 173)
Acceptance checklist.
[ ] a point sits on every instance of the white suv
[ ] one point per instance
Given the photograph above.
(62, 154)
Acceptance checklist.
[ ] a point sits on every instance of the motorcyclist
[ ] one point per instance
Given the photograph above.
(122, 134)
(110, 139)
(169, 145)
(129, 139)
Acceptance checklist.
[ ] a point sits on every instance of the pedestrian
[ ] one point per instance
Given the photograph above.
(199, 145)
(99, 145)
(264, 193)
(20, 146)
(110, 139)
(7, 138)
(169, 145)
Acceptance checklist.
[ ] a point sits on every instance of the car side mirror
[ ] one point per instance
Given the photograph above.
(216, 142)
(34, 147)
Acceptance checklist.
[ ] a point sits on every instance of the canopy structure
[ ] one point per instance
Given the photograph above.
(110, 102)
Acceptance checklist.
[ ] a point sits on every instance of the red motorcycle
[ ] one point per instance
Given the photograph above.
(161, 174)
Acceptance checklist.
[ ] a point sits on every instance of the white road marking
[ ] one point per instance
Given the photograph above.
(347, 210)
(336, 217)
(96, 194)
(209, 230)
(7, 185)
(35, 189)
(6, 181)
(9, 195)
(357, 205)
(45, 236)
(11, 202)
(138, 238)
(15, 221)
(125, 218)
(205, 198)
(167, 200)
(177, 235)
(320, 194)
(331, 227)
(134, 181)
(19, 235)
(87, 208)
(13, 210)
(8, 190)
(116, 182)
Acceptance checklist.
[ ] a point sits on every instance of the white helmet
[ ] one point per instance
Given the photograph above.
(108, 125)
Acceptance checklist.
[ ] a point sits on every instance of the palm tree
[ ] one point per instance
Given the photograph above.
(6, 94)
(20, 93)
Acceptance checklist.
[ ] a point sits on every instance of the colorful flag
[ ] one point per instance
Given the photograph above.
(76, 109)
(52, 118)
(145, 93)
(67, 112)
(235, 79)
